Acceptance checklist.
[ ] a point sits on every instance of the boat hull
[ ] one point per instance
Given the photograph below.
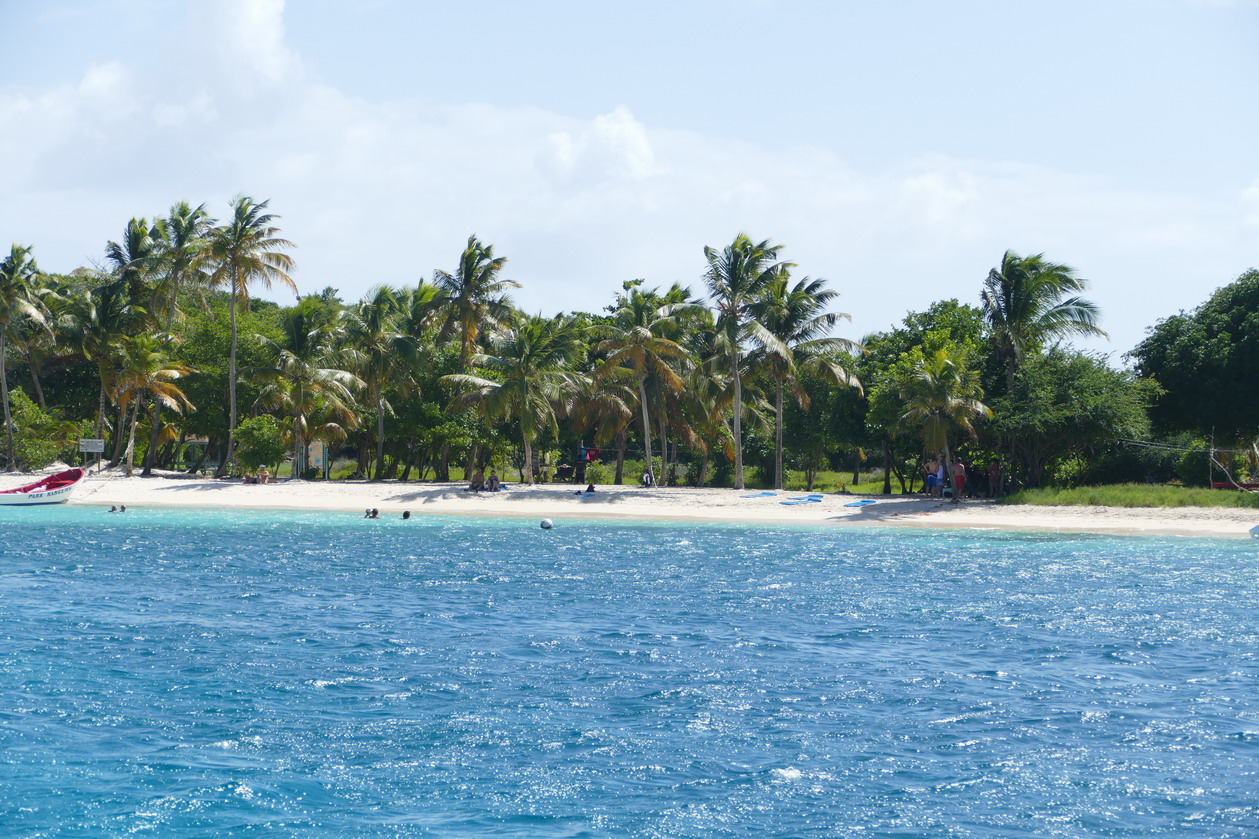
(55, 489)
(56, 496)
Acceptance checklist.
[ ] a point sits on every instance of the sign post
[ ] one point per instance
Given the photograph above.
(88, 445)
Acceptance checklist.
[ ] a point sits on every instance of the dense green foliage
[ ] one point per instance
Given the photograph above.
(1207, 362)
(164, 353)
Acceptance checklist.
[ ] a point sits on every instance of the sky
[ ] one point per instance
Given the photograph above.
(896, 149)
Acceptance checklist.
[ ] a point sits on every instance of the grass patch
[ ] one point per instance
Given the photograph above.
(1135, 495)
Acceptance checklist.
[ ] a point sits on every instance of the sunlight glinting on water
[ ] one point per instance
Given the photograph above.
(190, 673)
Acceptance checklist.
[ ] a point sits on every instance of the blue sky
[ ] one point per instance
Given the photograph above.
(896, 149)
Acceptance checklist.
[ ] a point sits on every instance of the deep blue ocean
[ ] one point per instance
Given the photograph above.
(207, 673)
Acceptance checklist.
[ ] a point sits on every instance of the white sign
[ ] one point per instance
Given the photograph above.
(92, 446)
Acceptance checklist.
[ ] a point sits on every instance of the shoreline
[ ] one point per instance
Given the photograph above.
(678, 504)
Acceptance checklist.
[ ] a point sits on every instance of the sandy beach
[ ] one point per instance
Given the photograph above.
(561, 501)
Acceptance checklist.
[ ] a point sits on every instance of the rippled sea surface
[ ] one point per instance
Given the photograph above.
(169, 673)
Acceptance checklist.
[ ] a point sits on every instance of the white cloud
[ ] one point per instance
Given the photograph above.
(388, 191)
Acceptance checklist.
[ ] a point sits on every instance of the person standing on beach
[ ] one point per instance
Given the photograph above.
(994, 478)
(930, 469)
(959, 480)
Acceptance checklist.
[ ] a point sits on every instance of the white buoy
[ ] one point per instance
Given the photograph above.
(547, 524)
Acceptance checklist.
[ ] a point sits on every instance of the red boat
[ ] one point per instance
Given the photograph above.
(54, 489)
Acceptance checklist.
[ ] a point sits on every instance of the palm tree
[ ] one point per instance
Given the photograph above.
(146, 369)
(474, 296)
(243, 249)
(475, 300)
(385, 353)
(940, 394)
(94, 323)
(635, 339)
(18, 274)
(736, 277)
(182, 242)
(137, 258)
(304, 381)
(793, 315)
(1024, 302)
(532, 361)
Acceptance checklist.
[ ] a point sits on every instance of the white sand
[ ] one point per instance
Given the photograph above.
(679, 504)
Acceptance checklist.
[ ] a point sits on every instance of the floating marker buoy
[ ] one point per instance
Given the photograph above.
(546, 524)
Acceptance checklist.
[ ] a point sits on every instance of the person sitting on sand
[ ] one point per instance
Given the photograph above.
(493, 484)
(264, 477)
(478, 481)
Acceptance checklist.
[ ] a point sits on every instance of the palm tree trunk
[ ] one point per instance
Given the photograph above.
(380, 433)
(664, 448)
(120, 431)
(231, 380)
(100, 409)
(299, 448)
(10, 461)
(150, 457)
(39, 388)
(887, 468)
(620, 458)
(642, 401)
(738, 421)
(527, 471)
(778, 435)
(129, 456)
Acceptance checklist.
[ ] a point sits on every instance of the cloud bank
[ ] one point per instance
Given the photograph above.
(386, 191)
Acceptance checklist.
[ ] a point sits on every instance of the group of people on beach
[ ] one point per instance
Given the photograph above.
(935, 469)
(480, 483)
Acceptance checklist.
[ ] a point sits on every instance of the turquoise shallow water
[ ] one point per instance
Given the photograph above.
(170, 673)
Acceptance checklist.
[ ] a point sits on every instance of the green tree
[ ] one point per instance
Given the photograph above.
(136, 259)
(259, 442)
(1207, 362)
(147, 370)
(736, 277)
(182, 240)
(18, 276)
(532, 362)
(39, 436)
(245, 248)
(795, 316)
(95, 323)
(635, 339)
(474, 296)
(306, 380)
(1065, 404)
(1027, 303)
(941, 392)
(383, 353)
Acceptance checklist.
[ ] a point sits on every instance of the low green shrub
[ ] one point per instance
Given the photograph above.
(1134, 495)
